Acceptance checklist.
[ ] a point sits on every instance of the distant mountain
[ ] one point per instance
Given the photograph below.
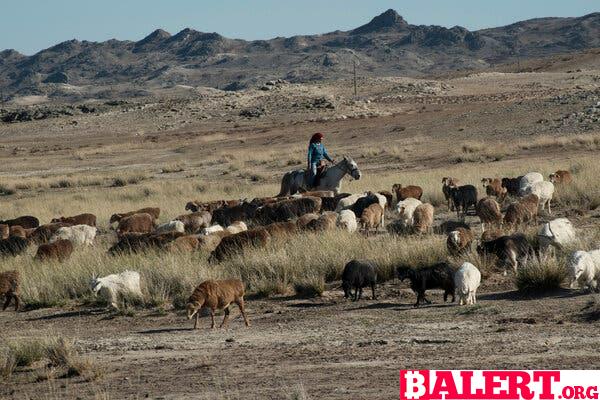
(386, 46)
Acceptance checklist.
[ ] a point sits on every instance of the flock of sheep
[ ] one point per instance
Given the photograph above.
(227, 227)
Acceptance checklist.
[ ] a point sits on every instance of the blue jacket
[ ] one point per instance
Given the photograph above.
(317, 152)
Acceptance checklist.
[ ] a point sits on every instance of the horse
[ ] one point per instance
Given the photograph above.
(295, 181)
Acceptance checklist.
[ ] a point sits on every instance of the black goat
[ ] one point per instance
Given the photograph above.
(463, 197)
(510, 250)
(436, 276)
(357, 275)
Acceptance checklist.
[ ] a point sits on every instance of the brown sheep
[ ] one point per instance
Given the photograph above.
(136, 223)
(326, 222)
(237, 243)
(372, 218)
(17, 231)
(447, 184)
(184, 244)
(561, 177)
(459, 241)
(210, 206)
(524, 211)
(43, 233)
(305, 219)
(389, 197)
(403, 193)
(153, 211)
(81, 219)
(216, 295)
(493, 187)
(60, 250)
(10, 283)
(287, 209)
(26, 221)
(282, 229)
(195, 221)
(423, 218)
(488, 211)
(208, 243)
(4, 231)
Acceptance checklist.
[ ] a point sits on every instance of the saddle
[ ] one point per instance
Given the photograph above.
(322, 167)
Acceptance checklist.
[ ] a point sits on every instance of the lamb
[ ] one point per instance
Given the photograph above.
(325, 222)
(79, 235)
(372, 218)
(236, 243)
(346, 220)
(136, 223)
(447, 184)
(4, 231)
(511, 250)
(171, 226)
(118, 286)
(59, 250)
(10, 284)
(558, 233)
(212, 229)
(26, 221)
(544, 190)
(81, 219)
(358, 275)
(466, 281)
(493, 187)
(403, 193)
(460, 241)
(196, 221)
(406, 209)
(528, 180)
(584, 269)
(216, 295)
(488, 211)
(435, 276)
(561, 177)
(153, 211)
(423, 218)
(13, 246)
(463, 197)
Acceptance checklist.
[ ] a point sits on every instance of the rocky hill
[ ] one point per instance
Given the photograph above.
(386, 46)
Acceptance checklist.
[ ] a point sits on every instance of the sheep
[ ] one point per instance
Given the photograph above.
(26, 221)
(212, 229)
(493, 187)
(466, 281)
(305, 219)
(463, 197)
(17, 231)
(449, 226)
(4, 231)
(325, 222)
(382, 200)
(78, 234)
(59, 250)
(423, 218)
(184, 244)
(282, 229)
(44, 233)
(318, 193)
(136, 223)
(364, 202)
(216, 295)
(511, 250)
(195, 206)
(346, 220)
(447, 184)
(236, 227)
(389, 197)
(13, 246)
(544, 190)
(357, 275)
(230, 245)
(512, 185)
(528, 180)
(331, 203)
(153, 211)
(118, 286)
(171, 226)
(196, 221)
(10, 284)
(557, 233)
(491, 234)
(81, 219)
(347, 202)
(208, 243)
(372, 218)
(403, 193)
(584, 268)
(525, 210)
(406, 209)
(460, 241)
(225, 216)
(287, 209)
(431, 277)
(561, 177)
(488, 211)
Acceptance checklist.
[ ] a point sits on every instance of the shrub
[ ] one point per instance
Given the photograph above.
(540, 276)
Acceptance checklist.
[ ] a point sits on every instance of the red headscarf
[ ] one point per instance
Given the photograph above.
(317, 137)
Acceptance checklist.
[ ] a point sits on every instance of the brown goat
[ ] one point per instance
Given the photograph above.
(524, 211)
(195, 221)
(488, 211)
(4, 231)
(561, 177)
(493, 187)
(236, 243)
(209, 243)
(423, 218)
(136, 223)
(153, 211)
(60, 250)
(282, 229)
(372, 218)
(325, 222)
(81, 219)
(447, 184)
(17, 231)
(403, 193)
(184, 244)
(10, 283)
(216, 295)
(459, 241)
(305, 219)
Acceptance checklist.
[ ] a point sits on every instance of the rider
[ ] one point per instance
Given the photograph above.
(316, 154)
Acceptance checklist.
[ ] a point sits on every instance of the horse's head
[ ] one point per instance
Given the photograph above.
(351, 167)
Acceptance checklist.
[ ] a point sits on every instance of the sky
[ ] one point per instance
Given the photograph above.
(32, 25)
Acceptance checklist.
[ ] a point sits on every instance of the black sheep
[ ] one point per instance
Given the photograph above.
(364, 202)
(510, 250)
(331, 203)
(463, 197)
(436, 276)
(357, 275)
(512, 185)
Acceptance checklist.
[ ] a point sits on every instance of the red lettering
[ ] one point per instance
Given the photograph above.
(467, 385)
(592, 393)
(579, 392)
(516, 386)
(546, 378)
(492, 386)
(444, 383)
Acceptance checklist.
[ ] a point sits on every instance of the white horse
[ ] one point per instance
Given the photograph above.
(295, 181)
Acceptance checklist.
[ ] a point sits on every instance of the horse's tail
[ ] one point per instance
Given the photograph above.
(285, 185)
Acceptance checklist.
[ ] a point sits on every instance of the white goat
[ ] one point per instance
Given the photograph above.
(544, 191)
(584, 268)
(347, 220)
(115, 286)
(211, 229)
(171, 226)
(466, 281)
(78, 234)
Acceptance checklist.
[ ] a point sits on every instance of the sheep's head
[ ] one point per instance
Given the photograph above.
(96, 285)
(191, 206)
(192, 308)
(486, 181)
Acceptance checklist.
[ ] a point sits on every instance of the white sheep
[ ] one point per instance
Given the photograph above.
(466, 281)
(544, 191)
(77, 234)
(584, 268)
(171, 226)
(347, 220)
(237, 227)
(406, 209)
(527, 180)
(382, 200)
(211, 229)
(347, 202)
(115, 286)
(557, 233)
